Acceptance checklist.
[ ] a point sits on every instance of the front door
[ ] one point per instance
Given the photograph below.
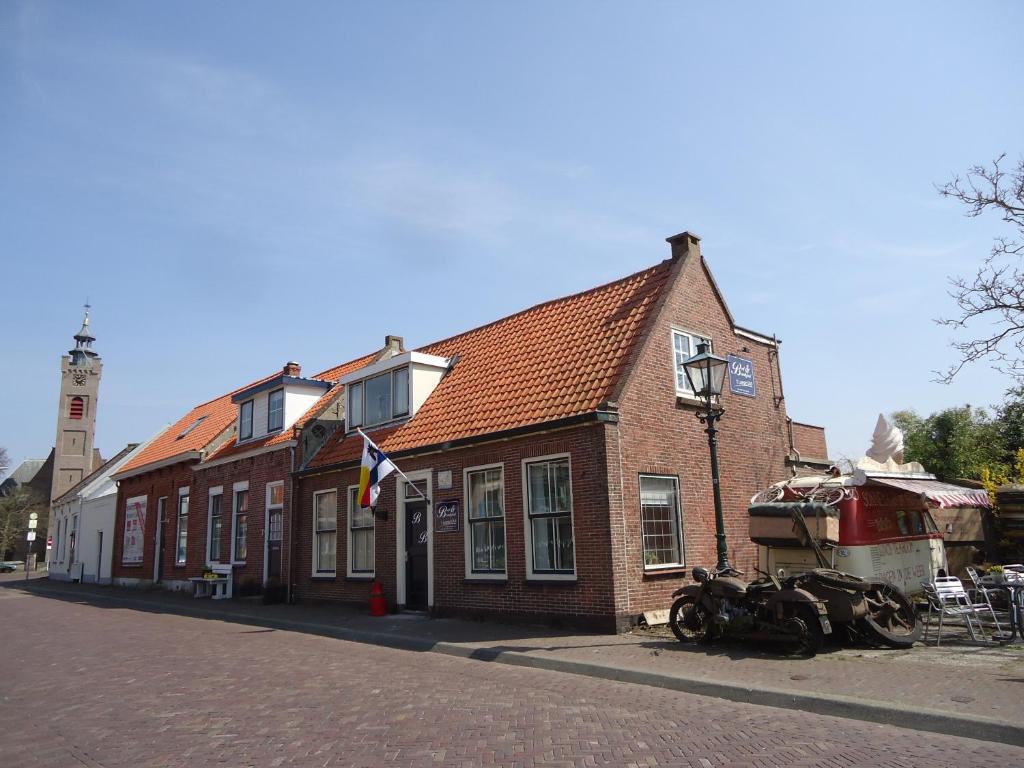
(416, 550)
(274, 545)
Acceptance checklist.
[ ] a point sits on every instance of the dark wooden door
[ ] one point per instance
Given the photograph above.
(274, 546)
(416, 554)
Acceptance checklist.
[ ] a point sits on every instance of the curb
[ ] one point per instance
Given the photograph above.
(833, 705)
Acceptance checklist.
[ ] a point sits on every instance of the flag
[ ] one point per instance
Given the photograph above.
(376, 466)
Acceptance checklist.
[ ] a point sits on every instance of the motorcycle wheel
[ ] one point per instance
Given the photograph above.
(686, 620)
(810, 636)
(891, 619)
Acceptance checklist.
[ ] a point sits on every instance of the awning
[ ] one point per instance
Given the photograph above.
(942, 494)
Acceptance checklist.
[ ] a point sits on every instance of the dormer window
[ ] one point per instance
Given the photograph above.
(381, 398)
(245, 421)
(391, 389)
(275, 411)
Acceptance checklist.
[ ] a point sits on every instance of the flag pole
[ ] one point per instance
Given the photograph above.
(400, 472)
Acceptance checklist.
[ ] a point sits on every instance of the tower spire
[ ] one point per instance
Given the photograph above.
(82, 354)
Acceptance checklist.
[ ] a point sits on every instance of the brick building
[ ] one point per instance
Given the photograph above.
(555, 467)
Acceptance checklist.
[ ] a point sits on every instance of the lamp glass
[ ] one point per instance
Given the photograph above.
(706, 372)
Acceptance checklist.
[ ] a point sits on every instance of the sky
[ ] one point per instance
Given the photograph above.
(234, 185)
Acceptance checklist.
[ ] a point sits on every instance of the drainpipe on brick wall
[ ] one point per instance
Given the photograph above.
(291, 525)
(792, 445)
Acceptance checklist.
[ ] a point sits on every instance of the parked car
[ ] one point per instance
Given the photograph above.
(8, 567)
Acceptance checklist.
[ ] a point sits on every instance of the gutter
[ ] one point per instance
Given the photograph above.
(590, 417)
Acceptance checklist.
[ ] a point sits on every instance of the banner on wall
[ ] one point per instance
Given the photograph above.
(134, 530)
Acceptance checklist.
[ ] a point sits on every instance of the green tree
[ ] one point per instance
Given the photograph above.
(953, 443)
(15, 508)
(1010, 415)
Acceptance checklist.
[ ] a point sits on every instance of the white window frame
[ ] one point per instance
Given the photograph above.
(270, 409)
(467, 525)
(352, 504)
(694, 338)
(235, 490)
(182, 494)
(217, 490)
(252, 419)
(324, 574)
(680, 540)
(528, 529)
(268, 507)
(360, 387)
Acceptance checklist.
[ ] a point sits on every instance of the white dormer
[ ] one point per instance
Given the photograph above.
(274, 405)
(392, 389)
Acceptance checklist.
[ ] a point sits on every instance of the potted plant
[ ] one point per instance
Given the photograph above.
(208, 573)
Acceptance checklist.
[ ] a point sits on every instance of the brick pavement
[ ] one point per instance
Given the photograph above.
(959, 678)
(111, 686)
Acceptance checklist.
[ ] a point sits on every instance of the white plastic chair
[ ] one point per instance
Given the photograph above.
(948, 598)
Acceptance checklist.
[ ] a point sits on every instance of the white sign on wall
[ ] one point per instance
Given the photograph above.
(134, 530)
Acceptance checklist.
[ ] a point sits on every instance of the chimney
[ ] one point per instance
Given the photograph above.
(291, 368)
(393, 345)
(684, 244)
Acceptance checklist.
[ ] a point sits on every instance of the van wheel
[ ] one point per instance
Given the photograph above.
(686, 620)
(891, 619)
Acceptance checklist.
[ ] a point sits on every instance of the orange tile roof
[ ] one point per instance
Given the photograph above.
(231, 448)
(556, 360)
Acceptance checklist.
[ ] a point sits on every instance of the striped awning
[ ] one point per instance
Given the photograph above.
(942, 494)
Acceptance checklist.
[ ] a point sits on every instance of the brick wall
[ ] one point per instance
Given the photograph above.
(586, 601)
(657, 434)
(163, 482)
(809, 440)
(258, 471)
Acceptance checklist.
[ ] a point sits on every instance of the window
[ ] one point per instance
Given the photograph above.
(684, 345)
(355, 408)
(379, 399)
(360, 536)
(182, 537)
(190, 427)
(659, 521)
(240, 525)
(76, 409)
(485, 511)
(325, 532)
(549, 516)
(275, 410)
(245, 421)
(213, 545)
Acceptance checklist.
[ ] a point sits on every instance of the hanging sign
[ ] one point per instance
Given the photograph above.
(741, 376)
(447, 517)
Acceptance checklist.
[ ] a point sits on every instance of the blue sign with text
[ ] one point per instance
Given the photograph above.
(741, 377)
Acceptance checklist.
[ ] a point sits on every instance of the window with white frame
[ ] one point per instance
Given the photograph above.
(245, 420)
(325, 532)
(379, 399)
(214, 528)
(360, 536)
(684, 345)
(240, 525)
(181, 548)
(549, 513)
(485, 511)
(275, 410)
(659, 521)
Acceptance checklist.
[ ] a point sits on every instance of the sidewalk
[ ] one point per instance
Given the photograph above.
(958, 689)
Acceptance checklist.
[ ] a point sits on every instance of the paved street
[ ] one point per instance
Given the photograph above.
(97, 686)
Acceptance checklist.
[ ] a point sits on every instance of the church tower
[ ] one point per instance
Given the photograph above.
(76, 412)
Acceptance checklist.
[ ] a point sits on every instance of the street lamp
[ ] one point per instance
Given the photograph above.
(706, 374)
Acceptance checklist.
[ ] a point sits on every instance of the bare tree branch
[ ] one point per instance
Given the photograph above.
(994, 298)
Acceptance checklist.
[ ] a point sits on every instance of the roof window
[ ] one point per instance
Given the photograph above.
(190, 427)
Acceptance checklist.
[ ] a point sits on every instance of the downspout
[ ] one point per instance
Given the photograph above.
(291, 525)
(792, 446)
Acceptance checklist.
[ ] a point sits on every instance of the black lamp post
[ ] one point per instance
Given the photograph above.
(706, 374)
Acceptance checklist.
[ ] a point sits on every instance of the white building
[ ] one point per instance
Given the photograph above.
(82, 521)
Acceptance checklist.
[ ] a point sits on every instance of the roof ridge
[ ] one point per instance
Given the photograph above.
(232, 392)
(549, 302)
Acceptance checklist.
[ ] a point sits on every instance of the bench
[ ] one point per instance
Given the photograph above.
(218, 588)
